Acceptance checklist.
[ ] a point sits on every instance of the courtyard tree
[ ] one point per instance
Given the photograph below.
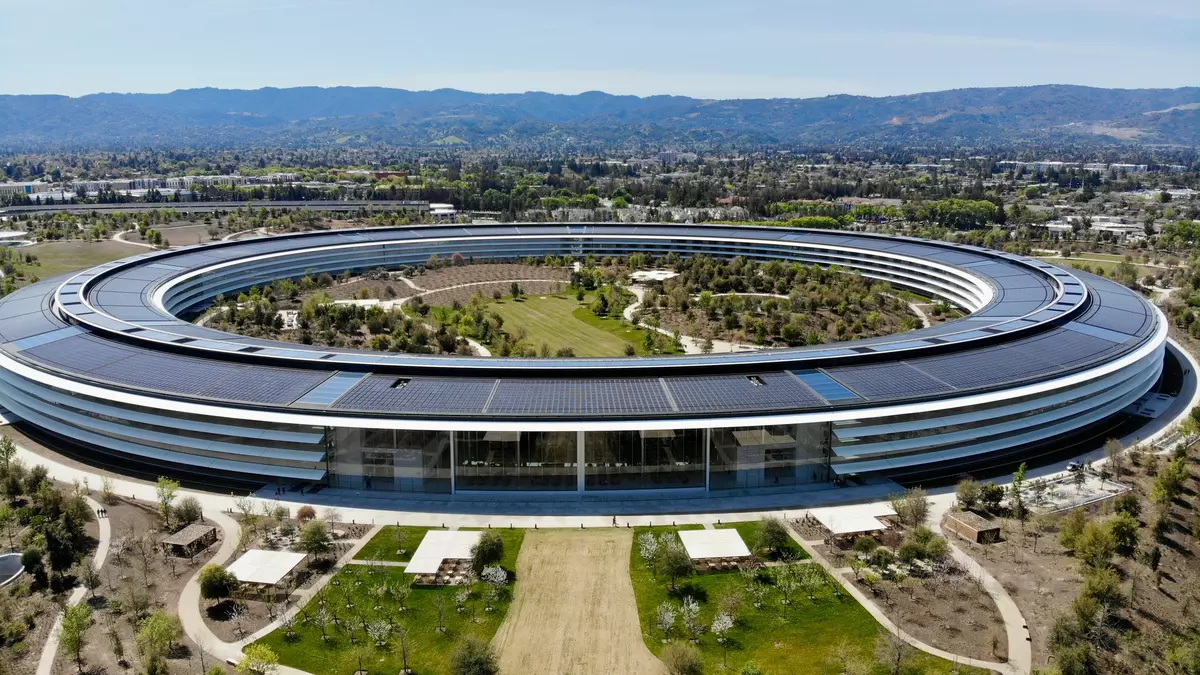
(73, 635)
(157, 635)
(967, 492)
(489, 550)
(673, 559)
(773, 535)
(259, 659)
(721, 625)
(912, 507)
(402, 648)
(1114, 450)
(90, 578)
(8, 450)
(188, 511)
(164, 492)
(314, 539)
(664, 618)
(216, 582)
(474, 656)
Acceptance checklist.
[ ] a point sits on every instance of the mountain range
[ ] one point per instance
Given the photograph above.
(315, 116)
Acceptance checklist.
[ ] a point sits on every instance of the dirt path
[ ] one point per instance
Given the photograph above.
(574, 611)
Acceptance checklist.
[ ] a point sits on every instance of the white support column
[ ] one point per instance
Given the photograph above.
(580, 457)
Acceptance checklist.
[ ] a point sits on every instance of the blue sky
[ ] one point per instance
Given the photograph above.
(743, 49)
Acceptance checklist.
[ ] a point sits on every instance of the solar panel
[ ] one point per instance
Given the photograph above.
(592, 396)
(887, 380)
(724, 393)
(824, 386)
(388, 393)
(328, 391)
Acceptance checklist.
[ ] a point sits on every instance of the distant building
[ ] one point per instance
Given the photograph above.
(8, 189)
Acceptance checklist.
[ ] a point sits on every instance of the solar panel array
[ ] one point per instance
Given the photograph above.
(887, 380)
(418, 395)
(739, 393)
(569, 397)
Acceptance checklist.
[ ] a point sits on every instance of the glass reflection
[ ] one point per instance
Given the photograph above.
(649, 458)
(750, 457)
(517, 460)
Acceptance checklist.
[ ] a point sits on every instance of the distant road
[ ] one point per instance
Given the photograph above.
(209, 207)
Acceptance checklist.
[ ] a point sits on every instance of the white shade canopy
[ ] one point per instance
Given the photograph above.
(439, 545)
(702, 544)
(265, 567)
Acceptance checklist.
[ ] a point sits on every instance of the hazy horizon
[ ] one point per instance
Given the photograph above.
(702, 49)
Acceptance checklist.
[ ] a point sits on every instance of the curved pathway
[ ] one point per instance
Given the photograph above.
(1015, 666)
(120, 236)
(189, 599)
(50, 650)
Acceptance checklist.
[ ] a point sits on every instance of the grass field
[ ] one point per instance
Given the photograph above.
(60, 257)
(388, 543)
(801, 638)
(430, 650)
(560, 321)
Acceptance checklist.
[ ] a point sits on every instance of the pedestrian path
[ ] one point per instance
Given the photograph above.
(50, 650)
(1007, 668)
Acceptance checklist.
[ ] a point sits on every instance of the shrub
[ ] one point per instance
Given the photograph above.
(990, 496)
(864, 545)
(305, 513)
(474, 657)
(1071, 527)
(188, 511)
(1095, 546)
(1124, 531)
(489, 550)
(967, 493)
(314, 539)
(1128, 503)
(682, 658)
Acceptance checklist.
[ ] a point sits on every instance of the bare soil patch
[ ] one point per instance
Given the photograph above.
(137, 579)
(574, 611)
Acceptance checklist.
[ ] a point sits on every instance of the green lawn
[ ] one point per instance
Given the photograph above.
(429, 650)
(561, 321)
(388, 543)
(59, 257)
(796, 639)
(749, 531)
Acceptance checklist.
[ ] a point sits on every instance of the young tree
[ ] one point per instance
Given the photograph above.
(474, 657)
(165, 490)
(8, 450)
(489, 550)
(216, 582)
(1095, 546)
(773, 535)
(1115, 452)
(188, 511)
(157, 635)
(90, 578)
(912, 507)
(967, 492)
(259, 659)
(402, 648)
(721, 625)
(73, 635)
(314, 539)
(664, 618)
(1071, 527)
(690, 612)
(674, 560)
(1015, 500)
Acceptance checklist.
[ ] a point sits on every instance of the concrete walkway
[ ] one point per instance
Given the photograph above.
(50, 650)
(882, 618)
(120, 236)
(1020, 646)
(189, 609)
